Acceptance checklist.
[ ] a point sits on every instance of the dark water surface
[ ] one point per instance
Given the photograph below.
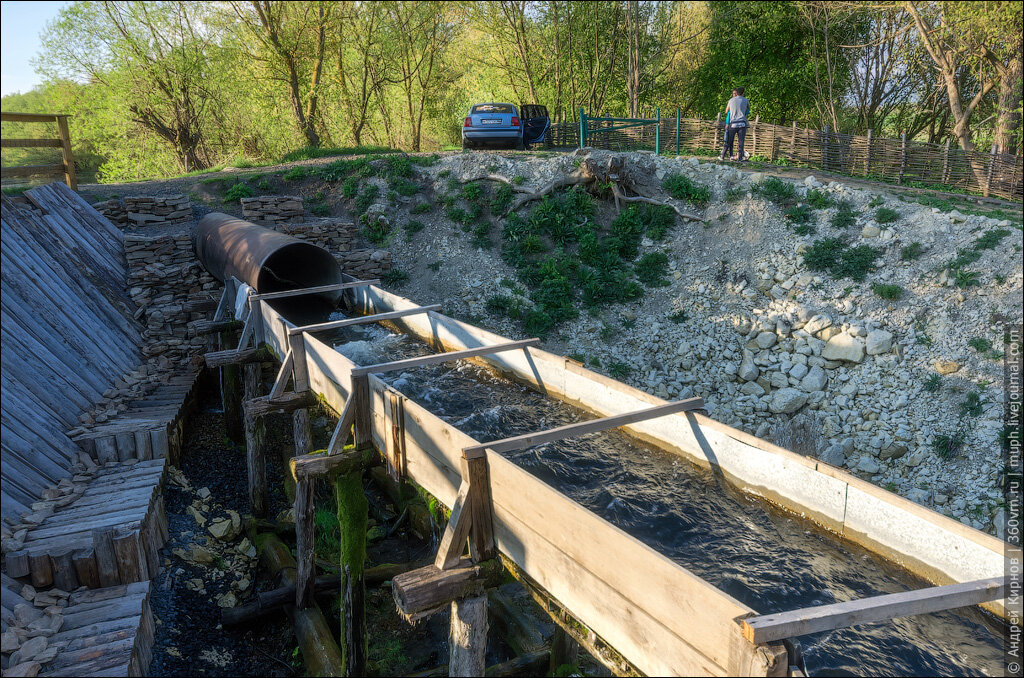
(756, 553)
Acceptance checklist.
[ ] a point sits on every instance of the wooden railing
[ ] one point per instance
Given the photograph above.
(66, 167)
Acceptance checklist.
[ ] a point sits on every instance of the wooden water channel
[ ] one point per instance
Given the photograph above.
(631, 607)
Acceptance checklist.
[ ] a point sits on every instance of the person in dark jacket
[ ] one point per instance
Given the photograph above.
(736, 112)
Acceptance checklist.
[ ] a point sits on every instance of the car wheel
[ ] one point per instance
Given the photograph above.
(466, 145)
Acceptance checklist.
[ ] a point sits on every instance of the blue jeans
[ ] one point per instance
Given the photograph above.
(730, 134)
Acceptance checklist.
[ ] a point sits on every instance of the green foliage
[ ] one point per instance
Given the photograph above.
(311, 153)
(471, 192)
(396, 166)
(971, 406)
(421, 208)
(888, 292)
(395, 277)
(780, 192)
(366, 198)
(799, 214)
(651, 269)
(503, 304)
(884, 215)
(237, 192)
(947, 446)
(933, 382)
(991, 239)
(619, 370)
(436, 265)
(678, 317)
(819, 200)
(844, 216)
(911, 252)
(734, 194)
(412, 226)
(876, 201)
(980, 344)
(403, 186)
(840, 260)
(350, 187)
(295, 174)
(682, 187)
(502, 199)
(964, 258)
(964, 279)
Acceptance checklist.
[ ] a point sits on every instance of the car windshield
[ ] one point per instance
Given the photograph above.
(493, 108)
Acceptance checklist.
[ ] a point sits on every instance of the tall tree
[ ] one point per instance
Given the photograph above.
(152, 56)
(292, 38)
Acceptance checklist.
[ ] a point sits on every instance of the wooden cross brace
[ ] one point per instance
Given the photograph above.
(471, 516)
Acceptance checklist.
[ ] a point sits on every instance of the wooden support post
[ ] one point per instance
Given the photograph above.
(70, 176)
(106, 559)
(564, 651)
(903, 157)
(423, 591)
(283, 375)
(792, 145)
(305, 571)
(255, 433)
(825, 135)
(85, 568)
(991, 167)
(230, 392)
(353, 510)
(362, 418)
(867, 156)
(945, 163)
(753, 135)
(394, 448)
(481, 530)
(64, 576)
(467, 637)
(717, 134)
(42, 571)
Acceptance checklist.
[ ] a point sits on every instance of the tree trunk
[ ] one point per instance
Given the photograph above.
(1008, 107)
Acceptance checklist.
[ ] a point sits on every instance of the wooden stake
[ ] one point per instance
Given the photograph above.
(305, 571)
(467, 637)
(564, 650)
(353, 510)
(362, 418)
(230, 393)
(254, 436)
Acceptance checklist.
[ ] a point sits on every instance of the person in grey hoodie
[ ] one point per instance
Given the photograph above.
(736, 112)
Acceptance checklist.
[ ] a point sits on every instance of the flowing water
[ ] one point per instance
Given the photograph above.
(756, 553)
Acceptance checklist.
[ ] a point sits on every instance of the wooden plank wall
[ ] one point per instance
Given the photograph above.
(941, 549)
(660, 616)
(67, 332)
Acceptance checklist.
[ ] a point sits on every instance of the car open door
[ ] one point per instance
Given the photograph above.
(535, 123)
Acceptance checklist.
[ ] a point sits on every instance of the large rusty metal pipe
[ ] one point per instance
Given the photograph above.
(265, 259)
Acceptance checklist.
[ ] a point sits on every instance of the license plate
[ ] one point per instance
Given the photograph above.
(490, 122)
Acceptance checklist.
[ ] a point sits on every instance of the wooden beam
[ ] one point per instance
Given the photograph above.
(438, 358)
(423, 591)
(769, 627)
(255, 436)
(283, 374)
(313, 290)
(30, 143)
(237, 357)
(362, 320)
(309, 466)
(31, 171)
(467, 636)
(29, 117)
(592, 426)
(198, 328)
(449, 551)
(341, 431)
(288, 402)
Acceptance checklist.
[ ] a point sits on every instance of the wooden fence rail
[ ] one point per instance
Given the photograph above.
(896, 160)
(67, 165)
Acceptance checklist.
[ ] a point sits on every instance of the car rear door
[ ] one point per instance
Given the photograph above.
(535, 123)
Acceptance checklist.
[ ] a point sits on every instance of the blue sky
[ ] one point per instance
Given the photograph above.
(20, 26)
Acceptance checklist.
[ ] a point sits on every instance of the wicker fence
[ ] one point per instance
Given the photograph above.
(895, 160)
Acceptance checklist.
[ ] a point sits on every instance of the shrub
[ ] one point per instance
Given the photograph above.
(237, 192)
(971, 406)
(395, 277)
(350, 188)
(295, 174)
(805, 229)
(948, 446)
(376, 233)
(819, 200)
(798, 214)
(482, 236)
(502, 200)
(538, 323)
(890, 292)
(884, 215)
(780, 192)
(844, 216)
(619, 370)
(310, 152)
(503, 304)
(963, 258)
(678, 317)
(651, 269)
(403, 186)
(991, 239)
(965, 279)
(876, 201)
(682, 187)
(421, 208)
(366, 198)
(320, 209)
(980, 344)
(734, 194)
(911, 251)
(471, 191)
(840, 260)
(436, 265)
(412, 226)
(397, 166)
(933, 382)
(340, 169)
